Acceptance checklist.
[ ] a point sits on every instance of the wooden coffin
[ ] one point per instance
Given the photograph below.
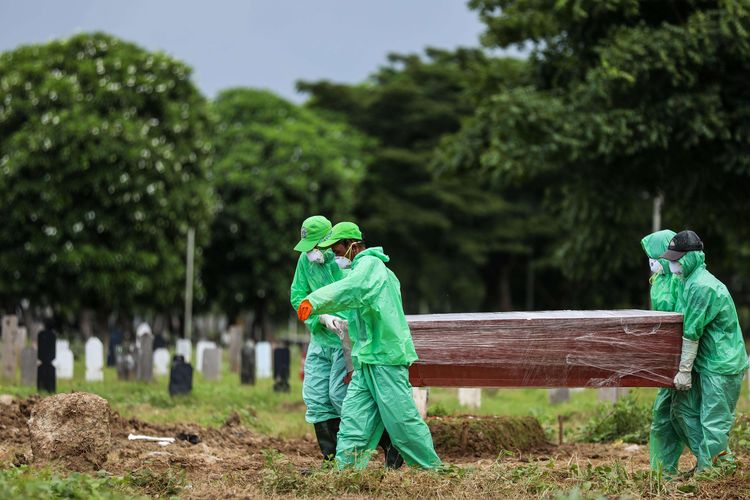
(623, 348)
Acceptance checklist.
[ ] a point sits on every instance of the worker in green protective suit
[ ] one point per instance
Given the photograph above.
(674, 412)
(714, 358)
(324, 388)
(379, 395)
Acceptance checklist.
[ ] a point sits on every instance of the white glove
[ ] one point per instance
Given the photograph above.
(684, 380)
(334, 324)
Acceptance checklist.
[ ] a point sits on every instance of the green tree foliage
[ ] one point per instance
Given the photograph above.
(103, 159)
(451, 239)
(628, 100)
(276, 164)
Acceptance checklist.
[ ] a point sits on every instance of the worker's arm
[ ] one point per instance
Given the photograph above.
(299, 290)
(358, 289)
(698, 311)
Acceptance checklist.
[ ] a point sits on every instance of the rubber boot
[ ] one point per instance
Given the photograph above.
(393, 459)
(326, 433)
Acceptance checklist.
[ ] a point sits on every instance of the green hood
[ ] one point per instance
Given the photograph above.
(692, 261)
(656, 244)
(375, 252)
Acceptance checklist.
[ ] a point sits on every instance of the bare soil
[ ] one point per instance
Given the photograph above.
(229, 461)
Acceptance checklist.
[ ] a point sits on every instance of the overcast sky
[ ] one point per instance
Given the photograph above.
(257, 43)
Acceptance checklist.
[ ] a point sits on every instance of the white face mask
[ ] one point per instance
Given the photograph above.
(343, 262)
(675, 267)
(316, 256)
(655, 266)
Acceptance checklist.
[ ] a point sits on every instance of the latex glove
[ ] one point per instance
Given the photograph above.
(684, 380)
(333, 323)
(304, 310)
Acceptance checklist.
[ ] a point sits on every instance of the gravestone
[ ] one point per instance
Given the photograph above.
(159, 341)
(180, 376)
(145, 357)
(161, 361)
(200, 347)
(21, 336)
(263, 360)
(46, 379)
(419, 394)
(125, 362)
(612, 394)
(64, 360)
(184, 348)
(281, 365)
(557, 396)
(116, 338)
(247, 368)
(29, 366)
(94, 360)
(235, 347)
(212, 363)
(8, 352)
(470, 397)
(34, 329)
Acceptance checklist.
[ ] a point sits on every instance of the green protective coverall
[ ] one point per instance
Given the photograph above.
(379, 394)
(323, 389)
(674, 412)
(711, 318)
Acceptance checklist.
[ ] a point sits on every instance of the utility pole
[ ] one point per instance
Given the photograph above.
(189, 260)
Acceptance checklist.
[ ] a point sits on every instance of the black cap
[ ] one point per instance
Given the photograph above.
(682, 243)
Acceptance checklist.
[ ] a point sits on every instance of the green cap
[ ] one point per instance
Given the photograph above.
(342, 231)
(314, 229)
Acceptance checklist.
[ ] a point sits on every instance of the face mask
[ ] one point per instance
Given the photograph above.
(343, 262)
(655, 265)
(315, 256)
(675, 267)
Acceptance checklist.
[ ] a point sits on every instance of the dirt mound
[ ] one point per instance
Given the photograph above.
(71, 427)
(469, 436)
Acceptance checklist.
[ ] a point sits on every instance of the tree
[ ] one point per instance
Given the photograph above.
(103, 157)
(276, 164)
(446, 232)
(629, 101)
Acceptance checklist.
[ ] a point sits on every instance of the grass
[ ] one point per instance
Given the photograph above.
(25, 483)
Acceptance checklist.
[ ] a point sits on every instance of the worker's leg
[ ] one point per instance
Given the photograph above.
(665, 445)
(336, 387)
(408, 432)
(686, 415)
(361, 426)
(321, 412)
(719, 395)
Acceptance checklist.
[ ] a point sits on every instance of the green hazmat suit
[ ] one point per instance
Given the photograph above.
(710, 317)
(379, 395)
(323, 389)
(666, 439)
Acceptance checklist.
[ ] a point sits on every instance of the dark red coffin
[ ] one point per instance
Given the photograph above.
(623, 348)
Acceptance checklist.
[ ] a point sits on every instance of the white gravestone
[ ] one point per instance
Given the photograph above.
(557, 396)
(263, 360)
(161, 361)
(94, 360)
(9, 344)
(184, 348)
(470, 397)
(419, 394)
(63, 360)
(212, 363)
(201, 346)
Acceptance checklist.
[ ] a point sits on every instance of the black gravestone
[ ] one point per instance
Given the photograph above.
(180, 376)
(159, 341)
(46, 379)
(247, 364)
(116, 336)
(281, 364)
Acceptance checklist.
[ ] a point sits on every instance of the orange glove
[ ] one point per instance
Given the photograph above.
(304, 310)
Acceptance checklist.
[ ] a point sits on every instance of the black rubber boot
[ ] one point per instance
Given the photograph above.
(326, 433)
(393, 459)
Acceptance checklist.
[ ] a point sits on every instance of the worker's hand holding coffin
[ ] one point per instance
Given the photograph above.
(334, 324)
(683, 380)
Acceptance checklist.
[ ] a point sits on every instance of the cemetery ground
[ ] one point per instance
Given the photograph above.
(254, 442)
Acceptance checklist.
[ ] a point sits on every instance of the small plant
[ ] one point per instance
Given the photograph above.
(166, 483)
(626, 420)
